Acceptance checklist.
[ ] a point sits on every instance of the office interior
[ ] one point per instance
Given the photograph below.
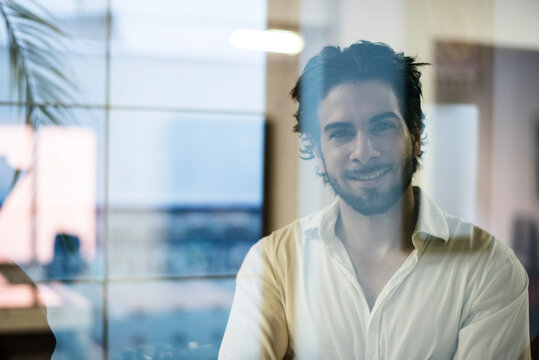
(131, 193)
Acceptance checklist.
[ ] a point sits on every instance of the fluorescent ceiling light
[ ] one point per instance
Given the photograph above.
(277, 41)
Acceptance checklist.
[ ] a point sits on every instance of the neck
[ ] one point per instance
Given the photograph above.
(379, 234)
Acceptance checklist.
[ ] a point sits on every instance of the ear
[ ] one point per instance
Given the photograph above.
(321, 167)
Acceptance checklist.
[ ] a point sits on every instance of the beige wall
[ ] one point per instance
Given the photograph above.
(281, 169)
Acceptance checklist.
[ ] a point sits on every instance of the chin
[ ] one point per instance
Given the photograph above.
(379, 198)
(371, 201)
(374, 202)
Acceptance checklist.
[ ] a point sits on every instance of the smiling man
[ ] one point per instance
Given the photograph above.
(382, 273)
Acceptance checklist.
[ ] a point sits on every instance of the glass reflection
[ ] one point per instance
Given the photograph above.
(185, 192)
(24, 329)
(54, 195)
(176, 54)
(168, 320)
(75, 314)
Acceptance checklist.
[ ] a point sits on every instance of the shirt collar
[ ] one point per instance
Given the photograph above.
(431, 222)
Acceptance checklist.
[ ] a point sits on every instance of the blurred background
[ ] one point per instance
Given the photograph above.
(151, 146)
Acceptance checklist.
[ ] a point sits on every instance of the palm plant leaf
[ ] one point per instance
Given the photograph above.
(37, 70)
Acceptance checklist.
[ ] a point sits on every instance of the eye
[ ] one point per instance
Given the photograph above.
(382, 126)
(341, 134)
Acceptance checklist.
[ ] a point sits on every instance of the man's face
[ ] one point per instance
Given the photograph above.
(365, 147)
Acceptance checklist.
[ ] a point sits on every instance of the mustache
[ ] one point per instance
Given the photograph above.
(365, 169)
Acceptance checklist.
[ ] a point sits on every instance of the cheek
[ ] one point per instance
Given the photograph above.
(336, 155)
(331, 159)
(398, 151)
(396, 147)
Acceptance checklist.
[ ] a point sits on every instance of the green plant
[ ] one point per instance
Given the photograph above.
(36, 46)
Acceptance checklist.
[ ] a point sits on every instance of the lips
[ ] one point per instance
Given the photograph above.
(370, 174)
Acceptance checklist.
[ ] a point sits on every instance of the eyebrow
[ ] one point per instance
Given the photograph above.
(337, 125)
(384, 115)
(347, 124)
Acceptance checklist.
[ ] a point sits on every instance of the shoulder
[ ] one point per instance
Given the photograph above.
(481, 268)
(288, 239)
(280, 249)
(487, 262)
(451, 235)
(274, 248)
(465, 237)
(283, 237)
(465, 250)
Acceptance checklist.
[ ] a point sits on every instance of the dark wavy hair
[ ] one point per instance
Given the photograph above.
(361, 61)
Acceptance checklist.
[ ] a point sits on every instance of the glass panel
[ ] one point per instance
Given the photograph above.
(9, 116)
(5, 86)
(176, 54)
(180, 242)
(164, 159)
(185, 192)
(24, 330)
(85, 24)
(49, 223)
(168, 320)
(84, 48)
(198, 85)
(75, 314)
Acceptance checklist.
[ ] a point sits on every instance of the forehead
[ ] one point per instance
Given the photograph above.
(358, 101)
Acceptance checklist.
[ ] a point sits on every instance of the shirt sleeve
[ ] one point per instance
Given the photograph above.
(256, 326)
(497, 326)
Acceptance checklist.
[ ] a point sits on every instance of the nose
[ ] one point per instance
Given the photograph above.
(364, 148)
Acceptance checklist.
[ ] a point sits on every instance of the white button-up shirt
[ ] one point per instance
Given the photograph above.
(460, 294)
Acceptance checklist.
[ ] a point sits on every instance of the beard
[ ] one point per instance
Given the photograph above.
(374, 201)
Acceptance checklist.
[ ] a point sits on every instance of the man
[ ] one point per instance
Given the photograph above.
(382, 273)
